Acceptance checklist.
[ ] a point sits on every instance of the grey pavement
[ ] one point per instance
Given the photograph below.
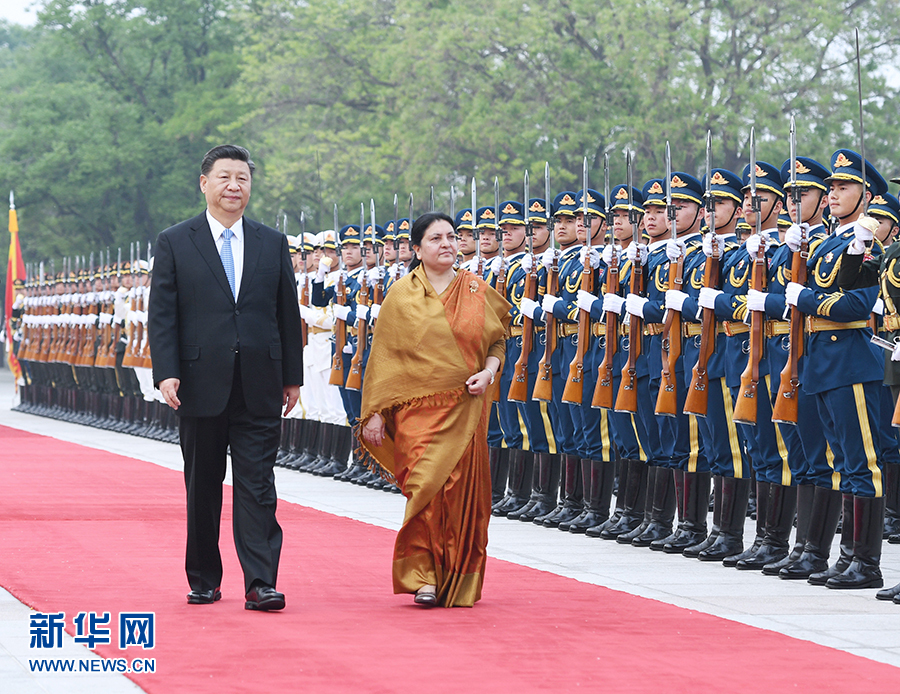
(852, 621)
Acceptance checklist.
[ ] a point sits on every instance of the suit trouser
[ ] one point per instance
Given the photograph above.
(254, 443)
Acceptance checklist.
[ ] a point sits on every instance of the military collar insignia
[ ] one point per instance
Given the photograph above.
(842, 161)
(622, 194)
(829, 257)
(718, 179)
(677, 182)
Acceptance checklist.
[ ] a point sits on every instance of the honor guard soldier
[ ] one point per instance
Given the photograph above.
(844, 374)
(467, 242)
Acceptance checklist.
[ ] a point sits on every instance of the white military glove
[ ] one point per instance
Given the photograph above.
(675, 299)
(708, 246)
(607, 254)
(374, 310)
(323, 269)
(792, 292)
(585, 300)
(547, 257)
(362, 313)
(637, 253)
(528, 307)
(612, 303)
(707, 298)
(756, 300)
(341, 312)
(496, 264)
(375, 274)
(305, 312)
(548, 302)
(675, 248)
(594, 256)
(794, 235)
(754, 241)
(525, 263)
(394, 271)
(634, 304)
(863, 233)
(895, 355)
(879, 306)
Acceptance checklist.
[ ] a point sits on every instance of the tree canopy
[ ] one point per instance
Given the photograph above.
(108, 105)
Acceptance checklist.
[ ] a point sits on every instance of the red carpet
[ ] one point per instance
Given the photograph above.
(86, 530)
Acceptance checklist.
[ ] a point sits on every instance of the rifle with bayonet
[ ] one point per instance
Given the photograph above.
(543, 386)
(746, 405)
(354, 377)
(518, 388)
(574, 390)
(667, 399)
(626, 399)
(697, 401)
(336, 378)
(603, 391)
(145, 332)
(303, 297)
(784, 410)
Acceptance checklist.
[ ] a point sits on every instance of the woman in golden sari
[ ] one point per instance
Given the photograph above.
(437, 348)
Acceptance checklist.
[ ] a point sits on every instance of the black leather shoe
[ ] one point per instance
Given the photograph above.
(204, 597)
(889, 594)
(263, 598)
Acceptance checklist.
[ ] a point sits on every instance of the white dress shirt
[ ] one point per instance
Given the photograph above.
(237, 246)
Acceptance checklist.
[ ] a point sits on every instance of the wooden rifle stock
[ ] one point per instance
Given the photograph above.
(626, 400)
(574, 390)
(304, 301)
(543, 386)
(501, 288)
(354, 376)
(745, 408)
(697, 401)
(518, 389)
(336, 378)
(603, 391)
(785, 408)
(667, 400)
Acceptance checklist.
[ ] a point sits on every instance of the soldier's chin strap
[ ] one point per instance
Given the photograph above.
(733, 212)
(771, 210)
(816, 207)
(696, 215)
(862, 195)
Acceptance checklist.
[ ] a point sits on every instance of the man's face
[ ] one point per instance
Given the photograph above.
(622, 228)
(843, 198)
(564, 228)
(513, 237)
(887, 230)
(598, 226)
(655, 221)
(687, 216)
(541, 236)
(331, 253)
(467, 244)
(769, 208)
(812, 202)
(351, 254)
(726, 216)
(227, 189)
(371, 256)
(488, 241)
(390, 253)
(405, 253)
(297, 262)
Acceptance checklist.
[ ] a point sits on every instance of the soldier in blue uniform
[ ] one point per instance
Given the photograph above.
(845, 375)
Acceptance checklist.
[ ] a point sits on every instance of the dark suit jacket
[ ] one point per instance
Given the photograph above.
(195, 324)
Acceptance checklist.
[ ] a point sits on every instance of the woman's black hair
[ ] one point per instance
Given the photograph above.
(420, 226)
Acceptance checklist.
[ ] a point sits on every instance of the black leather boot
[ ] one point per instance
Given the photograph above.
(547, 485)
(573, 498)
(696, 509)
(805, 495)
(693, 552)
(823, 519)
(620, 467)
(662, 509)
(598, 478)
(499, 463)
(779, 521)
(559, 493)
(678, 478)
(338, 453)
(889, 594)
(323, 452)
(762, 500)
(864, 570)
(635, 493)
(820, 578)
(891, 499)
(308, 446)
(521, 465)
(535, 485)
(730, 541)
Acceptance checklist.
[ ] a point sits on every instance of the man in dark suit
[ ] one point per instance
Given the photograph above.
(227, 355)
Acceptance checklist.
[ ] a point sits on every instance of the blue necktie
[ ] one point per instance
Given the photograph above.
(228, 260)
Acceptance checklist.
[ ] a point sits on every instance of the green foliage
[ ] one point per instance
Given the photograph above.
(108, 105)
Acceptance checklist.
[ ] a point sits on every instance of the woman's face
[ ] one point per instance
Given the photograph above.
(439, 247)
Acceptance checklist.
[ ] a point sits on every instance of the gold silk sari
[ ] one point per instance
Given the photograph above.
(424, 349)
